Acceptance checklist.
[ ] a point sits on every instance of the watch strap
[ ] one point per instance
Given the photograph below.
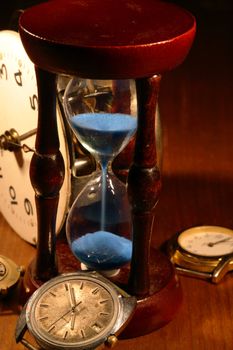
(21, 325)
(21, 328)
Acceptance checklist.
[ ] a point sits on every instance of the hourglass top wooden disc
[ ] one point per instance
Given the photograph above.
(108, 39)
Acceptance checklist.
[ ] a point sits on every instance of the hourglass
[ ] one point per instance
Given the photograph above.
(99, 228)
(106, 45)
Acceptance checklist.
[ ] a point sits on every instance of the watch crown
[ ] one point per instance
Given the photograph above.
(111, 341)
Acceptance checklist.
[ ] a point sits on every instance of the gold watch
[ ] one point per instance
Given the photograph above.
(203, 251)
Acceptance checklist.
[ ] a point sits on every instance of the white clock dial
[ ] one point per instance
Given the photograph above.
(207, 241)
(18, 110)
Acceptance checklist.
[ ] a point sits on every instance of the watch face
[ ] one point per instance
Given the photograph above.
(207, 241)
(9, 274)
(73, 312)
(18, 110)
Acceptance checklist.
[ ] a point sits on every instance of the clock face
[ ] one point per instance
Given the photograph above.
(73, 312)
(18, 110)
(207, 241)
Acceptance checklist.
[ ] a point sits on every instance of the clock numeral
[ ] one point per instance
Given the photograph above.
(1, 175)
(3, 72)
(34, 102)
(13, 195)
(28, 206)
(18, 78)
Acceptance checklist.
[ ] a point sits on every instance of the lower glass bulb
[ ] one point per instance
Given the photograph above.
(99, 224)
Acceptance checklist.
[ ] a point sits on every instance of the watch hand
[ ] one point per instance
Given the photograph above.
(62, 316)
(66, 313)
(73, 316)
(211, 244)
(72, 297)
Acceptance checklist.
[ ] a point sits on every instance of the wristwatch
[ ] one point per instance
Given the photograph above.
(203, 251)
(80, 310)
(9, 275)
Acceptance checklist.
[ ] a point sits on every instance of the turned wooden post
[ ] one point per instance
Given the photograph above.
(47, 175)
(144, 184)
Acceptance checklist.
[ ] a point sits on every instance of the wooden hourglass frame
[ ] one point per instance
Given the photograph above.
(115, 40)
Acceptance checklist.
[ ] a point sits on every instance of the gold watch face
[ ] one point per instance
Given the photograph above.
(207, 241)
(72, 313)
(203, 252)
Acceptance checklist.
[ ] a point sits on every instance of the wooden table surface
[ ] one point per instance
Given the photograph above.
(196, 105)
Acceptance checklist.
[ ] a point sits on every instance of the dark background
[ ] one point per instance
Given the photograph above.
(198, 7)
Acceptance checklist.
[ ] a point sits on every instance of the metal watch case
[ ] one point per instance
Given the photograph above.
(207, 267)
(9, 275)
(80, 310)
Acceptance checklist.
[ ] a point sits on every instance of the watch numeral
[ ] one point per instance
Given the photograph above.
(13, 195)
(33, 102)
(44, 305)
(43, 318)
(104, 313)
(3, 72)
(103, 301)
(83, 333)
(95, 291)
(18, 78)
(51, 328)
(28, 206)
(65, 334)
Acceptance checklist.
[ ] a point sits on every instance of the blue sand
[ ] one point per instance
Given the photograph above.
(102, 250)
(104, 133)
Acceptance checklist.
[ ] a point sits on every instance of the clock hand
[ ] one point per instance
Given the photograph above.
(211, 244)
(11, 140)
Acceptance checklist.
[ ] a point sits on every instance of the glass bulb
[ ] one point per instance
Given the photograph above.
(99, 226)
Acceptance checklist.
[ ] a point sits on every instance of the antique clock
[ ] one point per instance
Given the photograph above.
(18, 97)
(114, 52)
